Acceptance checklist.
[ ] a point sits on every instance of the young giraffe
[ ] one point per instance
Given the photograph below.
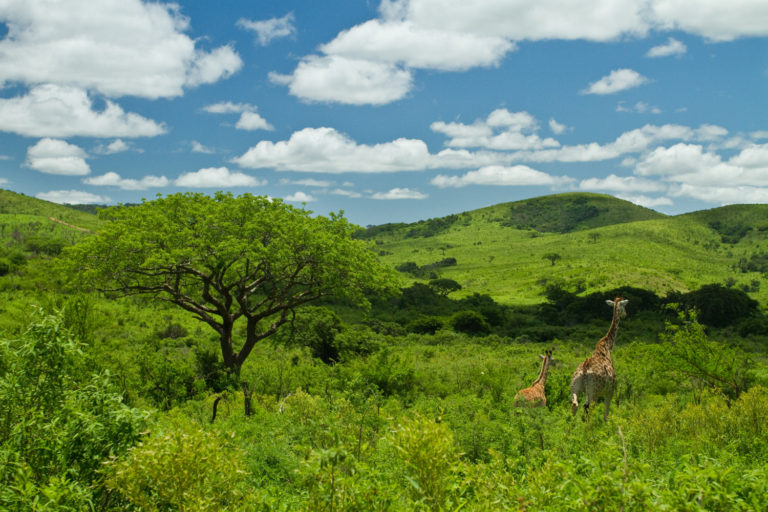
(534, 394)
(596, 376)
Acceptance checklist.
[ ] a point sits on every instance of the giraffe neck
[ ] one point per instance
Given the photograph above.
(542, 378)
(610, 337)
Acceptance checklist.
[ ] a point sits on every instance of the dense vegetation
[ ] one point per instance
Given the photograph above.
(112, 402)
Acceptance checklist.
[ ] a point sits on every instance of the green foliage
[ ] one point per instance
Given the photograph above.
(444, 286)
(430, 455)
(179, 467)
(58, 421)
(470, 322)
(425, 325)
(717, 305)
(227, 258)
(709, 363)
(315, 328)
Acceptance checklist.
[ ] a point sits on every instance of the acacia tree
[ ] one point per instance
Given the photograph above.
(228, 259)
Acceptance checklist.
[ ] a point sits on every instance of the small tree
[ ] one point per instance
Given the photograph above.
(444, 286)
(552, 257)
(227, 260)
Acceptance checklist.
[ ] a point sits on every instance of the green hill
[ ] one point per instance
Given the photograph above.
(583, 242)
(15, 204)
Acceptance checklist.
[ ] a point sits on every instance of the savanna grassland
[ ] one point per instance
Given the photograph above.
(111, 402)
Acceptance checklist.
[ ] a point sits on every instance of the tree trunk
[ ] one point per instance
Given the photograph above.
(247, 399)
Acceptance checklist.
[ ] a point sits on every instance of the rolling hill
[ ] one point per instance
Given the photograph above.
(512, 251)
(583, 242)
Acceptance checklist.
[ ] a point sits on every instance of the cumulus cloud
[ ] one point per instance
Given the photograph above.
(518, 175)
(267, 30)
(309, 182)
(300, 197)
(672, 47)
(252, 121)
(646, 201)
(112, 179)
(345, 80)
(249, 119)
(121, 48)
(617, 80)
(622, 184)
(712, 19)
(72, 197)
(501, 130)
(407, 43)
(116, 146)
(54, 156)
(346, 193)
(399, 193)
(638, 108)
(216, 177)
(456, 36)
(557, 128)
(326, 150)
(62, 111)
(198, 147)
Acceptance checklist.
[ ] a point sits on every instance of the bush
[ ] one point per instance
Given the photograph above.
(425, 325)
(470, 322)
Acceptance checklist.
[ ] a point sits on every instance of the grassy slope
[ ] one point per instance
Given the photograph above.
(643, 249)
(18, 208)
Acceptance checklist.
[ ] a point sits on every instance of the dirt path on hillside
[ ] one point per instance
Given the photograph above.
(54, 219)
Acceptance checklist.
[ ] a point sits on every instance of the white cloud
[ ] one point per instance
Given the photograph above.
(406, 43)
(72, 197)
(678, 160)
(343, 80)
(617, 80)
(121, 47)
(754, 156)
(672, 47)
(216, 177)
(300, 197)
(515, 134)
(345, 193)
(599, 20)
(53, 156)
(252, 121)
(112, 179)
(713, 19)
(326, 150)
(208, 68)
(116, 146)
(518, 175)
(557, 128)
(308, 183)
(249, 119)
(615, 183)
(63, 111)
(227, 107)
(639, 108)
(648, 202)
(399, 193)
(267, 30)
(198, 147)
(722, 194)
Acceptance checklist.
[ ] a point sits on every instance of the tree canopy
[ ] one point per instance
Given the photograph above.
(227, 258)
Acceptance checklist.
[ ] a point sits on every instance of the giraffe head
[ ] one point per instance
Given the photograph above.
(547, 355)
(622, 305)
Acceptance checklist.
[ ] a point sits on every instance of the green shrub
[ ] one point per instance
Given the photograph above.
(425, 325)
(470, 322)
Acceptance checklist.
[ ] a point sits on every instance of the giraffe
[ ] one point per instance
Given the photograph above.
(534, 394)
(596, 376)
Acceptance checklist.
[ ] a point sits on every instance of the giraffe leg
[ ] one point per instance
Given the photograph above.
(608, 397)
(577, 386)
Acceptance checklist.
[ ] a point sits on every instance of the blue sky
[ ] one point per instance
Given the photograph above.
(392, 112)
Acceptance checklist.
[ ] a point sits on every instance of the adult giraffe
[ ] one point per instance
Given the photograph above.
(596, 376)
